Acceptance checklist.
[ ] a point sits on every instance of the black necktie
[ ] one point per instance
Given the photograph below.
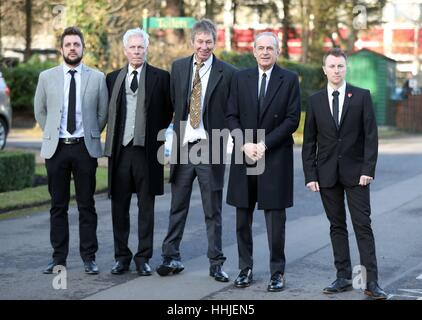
(134, 83)
(262, 93)
(335, 107)
(71, 108)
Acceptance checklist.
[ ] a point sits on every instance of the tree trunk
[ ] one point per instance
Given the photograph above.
(28, 30)
(286, 27)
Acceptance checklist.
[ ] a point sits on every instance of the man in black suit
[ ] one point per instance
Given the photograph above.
(340, 149)
(139, 107)
(267, 98)
(199, 90)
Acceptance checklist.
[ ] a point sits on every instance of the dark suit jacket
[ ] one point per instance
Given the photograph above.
(330, 155)
(159, 114)
(215, 104)
(280, 119)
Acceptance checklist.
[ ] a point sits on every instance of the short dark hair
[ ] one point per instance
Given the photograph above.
(72, 31)
(336, 52)
(204, 25)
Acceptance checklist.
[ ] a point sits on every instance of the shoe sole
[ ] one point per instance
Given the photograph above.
(369, 294)
(221, 279)
(165, 271)
(144, 274)
(274, 290)
(338, 291)
(92, 272)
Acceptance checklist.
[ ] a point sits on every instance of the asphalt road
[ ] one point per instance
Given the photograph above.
(397, 218)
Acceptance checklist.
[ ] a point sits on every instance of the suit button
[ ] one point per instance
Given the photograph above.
(276, 116)
(339, 157)
(339, 140)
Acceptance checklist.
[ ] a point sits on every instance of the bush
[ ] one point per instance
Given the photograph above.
(311, 77)
(16, 170)
(22, 81)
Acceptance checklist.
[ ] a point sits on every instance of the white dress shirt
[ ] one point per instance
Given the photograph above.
(268, 73)
(79, 132)
(192, 134)
(341, 96)
(130, 75)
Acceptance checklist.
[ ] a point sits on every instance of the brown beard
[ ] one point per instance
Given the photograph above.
(72, 62)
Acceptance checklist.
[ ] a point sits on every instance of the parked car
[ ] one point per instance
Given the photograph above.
(5, 111)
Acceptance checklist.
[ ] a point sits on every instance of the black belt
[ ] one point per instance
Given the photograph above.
(71, 140)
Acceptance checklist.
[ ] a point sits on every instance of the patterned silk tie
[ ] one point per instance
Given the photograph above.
(195, 99)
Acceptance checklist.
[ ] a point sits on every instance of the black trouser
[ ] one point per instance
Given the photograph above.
(72, 159)
(130, 174)
(181, 190)
(275, 222)
(358, 200)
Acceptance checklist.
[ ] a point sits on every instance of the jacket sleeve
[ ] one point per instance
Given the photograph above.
(291, 119)
(102, 111)
(371, 137)
(309, 146)
(40, 102)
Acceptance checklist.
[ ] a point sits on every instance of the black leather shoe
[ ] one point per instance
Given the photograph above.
(144, 269)
(91, 267)
(170, 266)
(119, 268)
(51, 265)
(244, 279)
(339, 285)
(374, 291)
(277, 282)
(218, 274)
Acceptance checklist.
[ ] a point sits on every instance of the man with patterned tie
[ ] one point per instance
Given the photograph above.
(200, 87)
(264, 98)
(339, 154)
(139, 108)
(71, 108)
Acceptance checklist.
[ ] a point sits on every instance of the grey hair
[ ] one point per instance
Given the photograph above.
(262, 34)
(204, 26)
(136, 32)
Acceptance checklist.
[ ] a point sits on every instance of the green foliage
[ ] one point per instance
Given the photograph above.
(16, 170)
(22, 81)
(311, 77)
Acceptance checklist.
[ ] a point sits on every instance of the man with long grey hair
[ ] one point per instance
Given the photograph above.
(139, 107)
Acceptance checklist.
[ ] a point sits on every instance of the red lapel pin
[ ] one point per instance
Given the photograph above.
(349, 94)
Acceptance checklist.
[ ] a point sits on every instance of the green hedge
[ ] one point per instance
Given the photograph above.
(16, 170)
(311, 77)
(22, 81)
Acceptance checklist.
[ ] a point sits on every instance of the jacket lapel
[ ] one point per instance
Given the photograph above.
(348, 96)
(326, 107)
(276, 80)
(150, 81)
(253, 91)
(59, 82)
(185, 78)
(215, 76)
(84, 80)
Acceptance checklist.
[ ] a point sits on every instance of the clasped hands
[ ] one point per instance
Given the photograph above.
(254, 151)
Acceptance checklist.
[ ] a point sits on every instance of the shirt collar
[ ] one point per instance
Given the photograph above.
(207, 63)
(268, 72)
(66, 68)
(130, 69)
(341, 90)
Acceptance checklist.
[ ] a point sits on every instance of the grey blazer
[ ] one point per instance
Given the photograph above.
(48, 104)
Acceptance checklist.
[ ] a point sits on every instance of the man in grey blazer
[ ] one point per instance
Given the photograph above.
(200, 86)
(71, 108)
